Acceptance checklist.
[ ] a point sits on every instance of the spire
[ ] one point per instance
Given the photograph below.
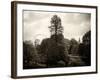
(79, 40)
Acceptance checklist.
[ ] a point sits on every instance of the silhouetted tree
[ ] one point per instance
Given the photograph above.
(54, 47)
(73, 47)
(85, 49)
(30, 55)
(87, 38)
(56, 26)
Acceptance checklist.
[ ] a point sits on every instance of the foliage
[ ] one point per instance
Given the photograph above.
(57, 51)
(56, 26)
(87, 38)
(73, 47)
(54, 52)
(85, 48)
(30, 56)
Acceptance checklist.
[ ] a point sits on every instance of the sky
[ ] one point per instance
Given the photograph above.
(36, 24)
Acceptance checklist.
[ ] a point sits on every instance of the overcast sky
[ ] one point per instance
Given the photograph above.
(36, 24)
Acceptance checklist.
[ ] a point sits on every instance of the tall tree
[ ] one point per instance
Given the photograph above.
(56, 26)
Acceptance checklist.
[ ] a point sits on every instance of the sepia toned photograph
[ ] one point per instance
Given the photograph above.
(53, 39)
(56, 39)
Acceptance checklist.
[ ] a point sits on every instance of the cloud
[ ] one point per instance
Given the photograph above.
(75, 24)
(31, 16)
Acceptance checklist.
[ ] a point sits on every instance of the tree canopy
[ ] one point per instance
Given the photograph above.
(56, 26)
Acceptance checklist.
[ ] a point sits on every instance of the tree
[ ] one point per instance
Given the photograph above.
(30, 55)
(56, 26)
(85, 48)
(87, 38)
(37, 42)
(73, 47)
(53, 48)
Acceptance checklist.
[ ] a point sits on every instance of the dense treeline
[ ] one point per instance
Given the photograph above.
(64, 53)
(57, 51)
